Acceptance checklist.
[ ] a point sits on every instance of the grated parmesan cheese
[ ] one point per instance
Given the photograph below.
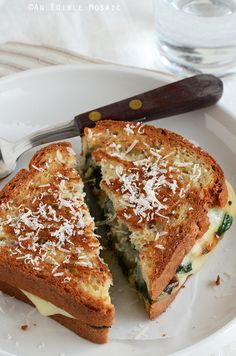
(51, 227)
(160, 247)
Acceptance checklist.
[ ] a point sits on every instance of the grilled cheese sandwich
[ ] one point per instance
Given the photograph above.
(49, 252)
(165, 200)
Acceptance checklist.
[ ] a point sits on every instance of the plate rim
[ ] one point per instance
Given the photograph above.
(93, 66)
(224, 334)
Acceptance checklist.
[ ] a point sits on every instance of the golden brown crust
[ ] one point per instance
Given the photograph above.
(157, 308)
(78, 326)
(153, 136)
(40, 158)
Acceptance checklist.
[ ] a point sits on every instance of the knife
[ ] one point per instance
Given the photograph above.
(176, 98)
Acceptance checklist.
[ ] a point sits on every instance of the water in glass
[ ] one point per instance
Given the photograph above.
(197, 35)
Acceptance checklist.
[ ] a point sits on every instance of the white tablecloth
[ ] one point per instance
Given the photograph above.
(83, 31)
(122, 33)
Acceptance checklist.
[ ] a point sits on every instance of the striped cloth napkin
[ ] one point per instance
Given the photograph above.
(16, 56)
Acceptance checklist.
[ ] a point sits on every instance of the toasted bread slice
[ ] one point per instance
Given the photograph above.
(49, 253)
(164, 199)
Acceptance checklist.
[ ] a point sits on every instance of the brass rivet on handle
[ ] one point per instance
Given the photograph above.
(135, 104)
(95, 115)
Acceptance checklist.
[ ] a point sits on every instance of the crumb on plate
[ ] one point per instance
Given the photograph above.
(217, 281)
(24, 327)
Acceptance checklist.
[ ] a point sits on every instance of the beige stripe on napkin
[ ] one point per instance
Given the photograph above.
(16, 56)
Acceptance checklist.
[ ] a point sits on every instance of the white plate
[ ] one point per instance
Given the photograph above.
(207, 320)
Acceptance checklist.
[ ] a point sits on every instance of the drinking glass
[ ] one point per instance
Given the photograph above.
(197, 36)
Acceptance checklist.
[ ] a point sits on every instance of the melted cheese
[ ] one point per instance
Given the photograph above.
(45, 308)
(230, 209)
(195, 256)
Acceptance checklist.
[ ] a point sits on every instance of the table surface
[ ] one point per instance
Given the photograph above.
(38, 33)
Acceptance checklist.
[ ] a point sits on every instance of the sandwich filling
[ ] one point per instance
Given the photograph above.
(45, 308)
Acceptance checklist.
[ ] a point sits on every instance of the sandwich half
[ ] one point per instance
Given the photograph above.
(165, 200)
(49, 253)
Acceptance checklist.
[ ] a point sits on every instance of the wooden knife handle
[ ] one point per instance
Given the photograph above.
(176, 98)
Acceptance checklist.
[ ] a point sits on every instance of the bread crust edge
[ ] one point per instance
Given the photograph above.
(98, 336)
